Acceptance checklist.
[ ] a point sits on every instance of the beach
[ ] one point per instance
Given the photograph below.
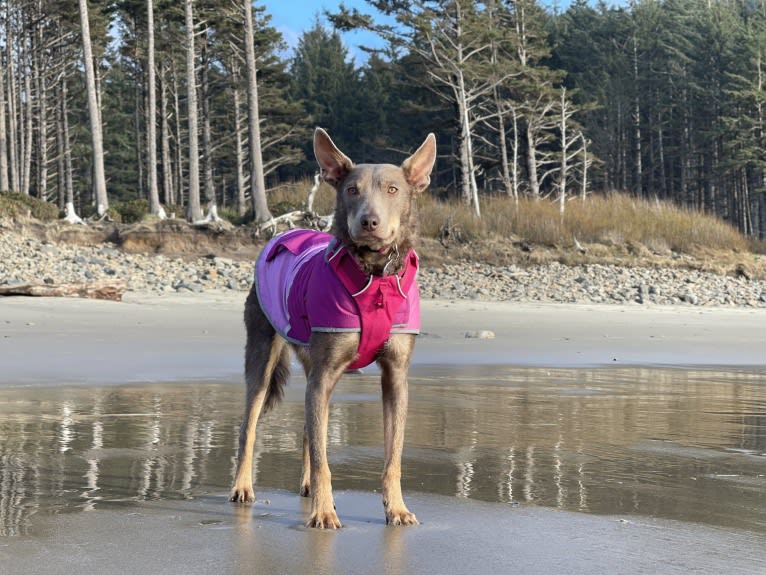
(543, 438)
(180, 336)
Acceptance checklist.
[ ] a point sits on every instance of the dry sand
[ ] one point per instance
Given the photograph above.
(46, 342)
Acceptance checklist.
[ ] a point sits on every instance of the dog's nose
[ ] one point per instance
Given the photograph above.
(370, 222)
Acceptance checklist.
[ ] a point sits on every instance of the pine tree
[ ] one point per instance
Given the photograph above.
(326, 83)
(450, 37)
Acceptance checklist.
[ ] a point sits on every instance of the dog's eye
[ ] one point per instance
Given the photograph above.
(392, 189)
(352, 191)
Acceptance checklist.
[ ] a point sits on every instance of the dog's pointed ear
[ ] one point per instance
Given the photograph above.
(417, 168)
(334, 164)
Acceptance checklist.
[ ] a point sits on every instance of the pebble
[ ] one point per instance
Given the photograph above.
(483, 334)
(591, 283)
(28, 260)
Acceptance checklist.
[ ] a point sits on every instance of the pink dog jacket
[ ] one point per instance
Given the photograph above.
(307, 282)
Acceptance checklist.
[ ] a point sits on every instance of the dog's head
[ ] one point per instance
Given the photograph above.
(375, 212)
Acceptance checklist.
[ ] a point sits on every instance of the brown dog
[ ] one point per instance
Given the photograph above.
(374, 231)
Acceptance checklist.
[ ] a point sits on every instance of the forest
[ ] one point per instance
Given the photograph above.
(197, 108)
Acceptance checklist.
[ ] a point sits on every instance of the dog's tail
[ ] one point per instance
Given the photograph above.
(279, 375)
(267, 357)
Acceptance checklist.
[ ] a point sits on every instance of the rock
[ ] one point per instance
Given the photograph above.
(26, 260)
(221, 262)
(690, 298)
(482, 334)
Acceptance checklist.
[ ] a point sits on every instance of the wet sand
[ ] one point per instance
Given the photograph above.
(207, 535)
(562, 445)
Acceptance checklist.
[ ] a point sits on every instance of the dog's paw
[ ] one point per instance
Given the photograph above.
(327, 520)
(401, 517)
(305, 490)
(242, 495)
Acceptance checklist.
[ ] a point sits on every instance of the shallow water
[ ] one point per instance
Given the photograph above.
(677, 444)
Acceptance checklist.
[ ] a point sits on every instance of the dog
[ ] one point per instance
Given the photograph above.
(340, 301)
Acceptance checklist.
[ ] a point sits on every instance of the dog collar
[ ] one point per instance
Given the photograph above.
(376, 297)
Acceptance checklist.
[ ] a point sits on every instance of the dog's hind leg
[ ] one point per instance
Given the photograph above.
(394, 362)
(305, 486)
(267, 362)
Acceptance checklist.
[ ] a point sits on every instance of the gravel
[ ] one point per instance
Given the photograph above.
(28, 260)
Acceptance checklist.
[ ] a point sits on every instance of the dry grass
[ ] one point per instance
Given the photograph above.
(13, 205)
(613, 229)
(610, 220)
(293, 196)
(615, 219)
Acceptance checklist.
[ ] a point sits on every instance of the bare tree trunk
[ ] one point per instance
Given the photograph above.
(505, 170)
(469, 189)
(534, 183)
(168, 193)
(194, 210)
(564, 164)
(179, 171)
(240, 153)
(68, 182)
(26, 133)
(470, 192)
(762, 216)
(257, 180)
(515, 163)
(71, 214)
(60, 186)
(4, 182)
(139, 103)
(13, 135)
(207, 144)
(638, 184)
(151, 117)
(584, 188)
(42, 116)
(94, 113)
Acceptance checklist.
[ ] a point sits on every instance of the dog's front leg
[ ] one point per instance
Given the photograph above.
(394, 363)
(330, 354)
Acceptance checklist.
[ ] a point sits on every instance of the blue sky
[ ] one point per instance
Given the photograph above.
(292, 17)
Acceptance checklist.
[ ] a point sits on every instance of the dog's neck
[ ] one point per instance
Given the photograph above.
(380, 263)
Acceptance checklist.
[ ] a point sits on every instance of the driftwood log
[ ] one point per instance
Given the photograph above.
(84, 290)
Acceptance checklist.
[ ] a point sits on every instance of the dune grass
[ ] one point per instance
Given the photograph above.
(611, 219)
(13, 204)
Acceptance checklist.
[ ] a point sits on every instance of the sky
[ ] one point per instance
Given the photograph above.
(292, 17)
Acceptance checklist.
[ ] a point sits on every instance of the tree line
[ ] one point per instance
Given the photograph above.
(198, 106)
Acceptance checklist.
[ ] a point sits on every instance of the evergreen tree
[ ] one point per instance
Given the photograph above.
(325, 81)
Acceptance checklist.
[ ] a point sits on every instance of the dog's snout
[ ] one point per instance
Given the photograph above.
(370, 222)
